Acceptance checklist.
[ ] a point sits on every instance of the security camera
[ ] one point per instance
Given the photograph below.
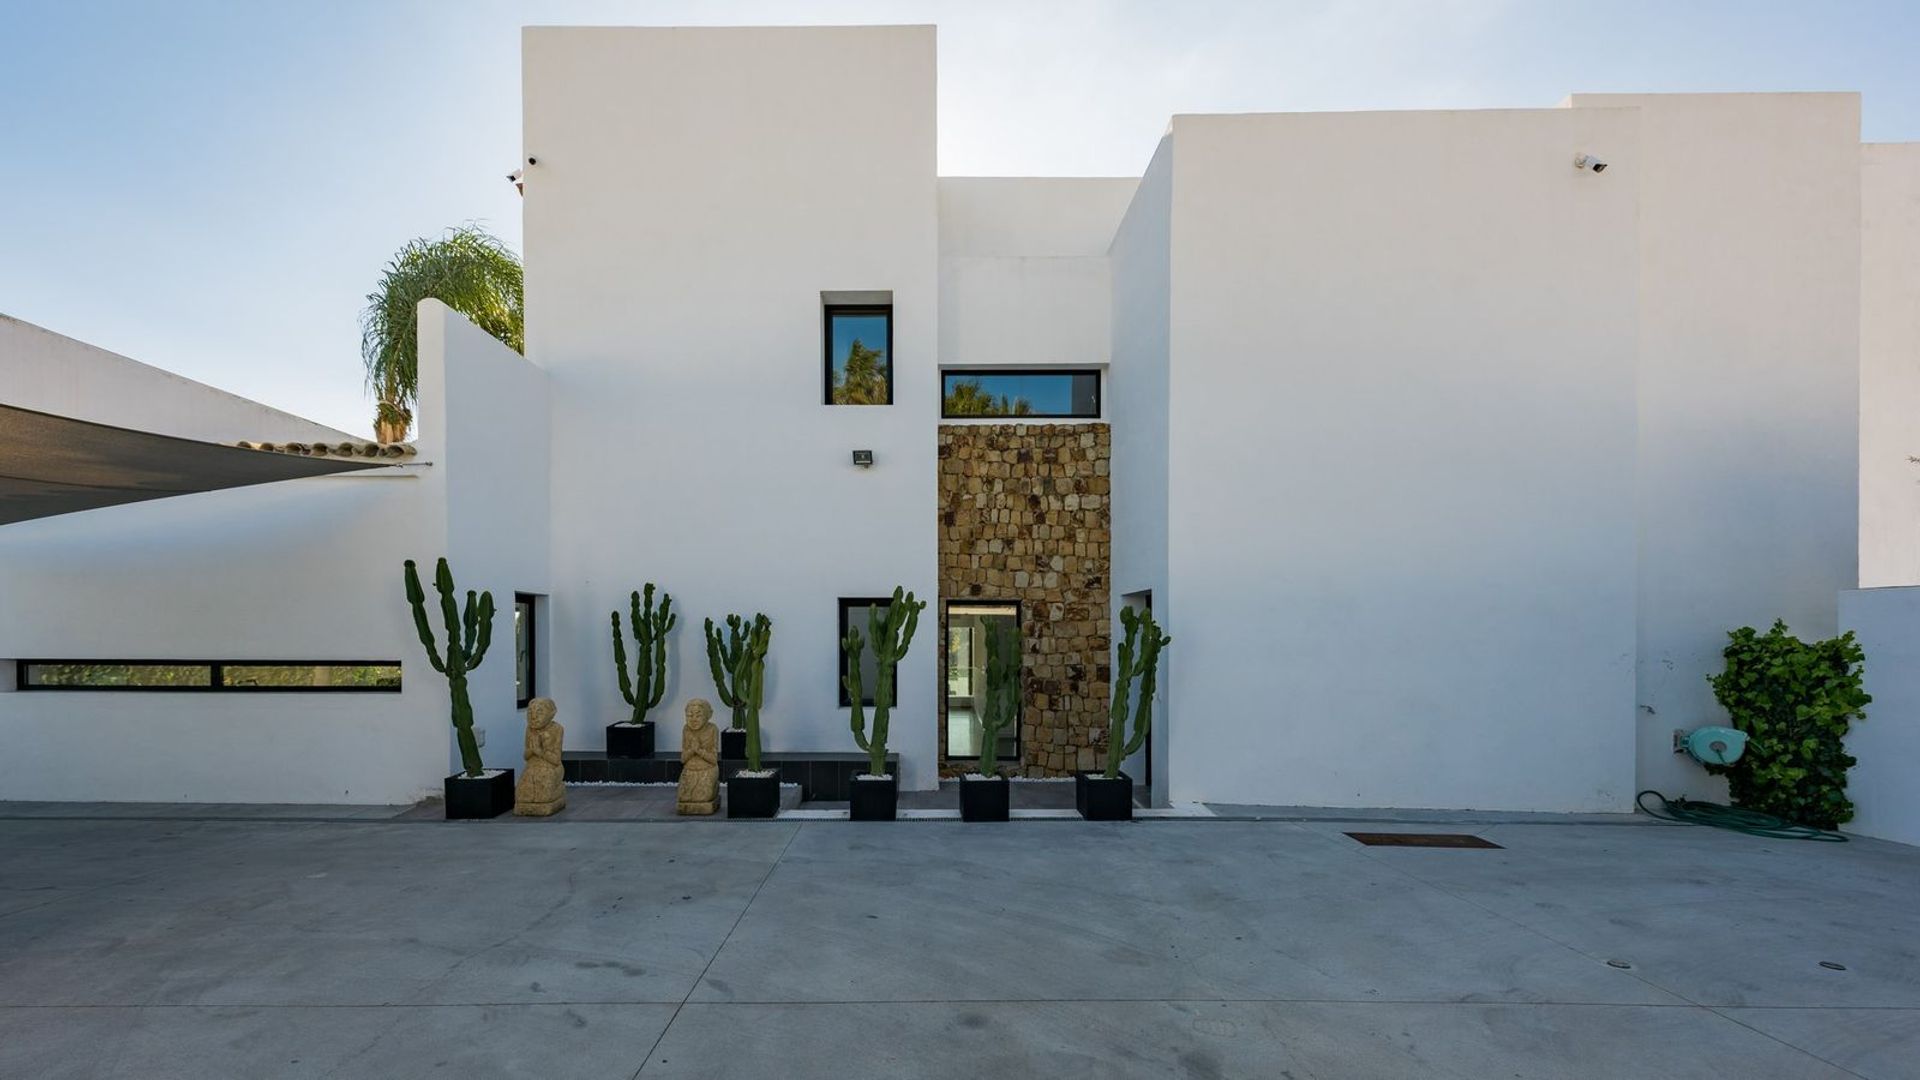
(1588, 161)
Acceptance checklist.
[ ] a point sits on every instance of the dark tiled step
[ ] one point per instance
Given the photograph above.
(820, 775)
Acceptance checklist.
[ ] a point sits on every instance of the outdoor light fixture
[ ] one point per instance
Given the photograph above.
(863, 458)
(1588, 161)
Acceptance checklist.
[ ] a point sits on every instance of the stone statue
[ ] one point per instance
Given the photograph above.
(541, 790)
(699, 761)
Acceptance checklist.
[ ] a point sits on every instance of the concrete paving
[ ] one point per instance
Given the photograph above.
(196, 947)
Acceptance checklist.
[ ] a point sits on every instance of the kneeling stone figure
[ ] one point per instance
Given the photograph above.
(541, 791)
(699, 761)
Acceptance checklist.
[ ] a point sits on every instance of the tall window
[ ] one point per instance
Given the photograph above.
(1037, 393)
(853, 613)
(859, 354)
(967, 679)
(523, 654)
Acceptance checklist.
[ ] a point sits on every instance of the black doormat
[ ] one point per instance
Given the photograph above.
(1421, 839)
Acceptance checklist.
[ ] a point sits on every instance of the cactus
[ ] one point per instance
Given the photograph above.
(1002, 702)
(468, 635)
(891, 634)
(1144, 664)
(739, 664)
(650, 627)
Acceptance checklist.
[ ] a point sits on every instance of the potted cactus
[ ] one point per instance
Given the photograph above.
(724, 653)
(875, 794)
(475, 791)
(633, 737)
(752, 792)
(1108, 796)
(985, 794)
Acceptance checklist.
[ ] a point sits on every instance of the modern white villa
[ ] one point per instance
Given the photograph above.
(1448, 446)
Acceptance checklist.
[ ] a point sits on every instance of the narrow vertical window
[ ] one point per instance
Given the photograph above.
(523, 650)
(859, 354)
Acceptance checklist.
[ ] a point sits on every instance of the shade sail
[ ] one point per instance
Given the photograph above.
(53, 465)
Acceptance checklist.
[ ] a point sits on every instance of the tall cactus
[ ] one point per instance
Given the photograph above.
(1002, 702)
(468, 635)
(1144, 664)
(891, 635)
(650, 627)
(739, 664)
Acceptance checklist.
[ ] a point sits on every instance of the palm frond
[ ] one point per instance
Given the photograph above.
(467, 269)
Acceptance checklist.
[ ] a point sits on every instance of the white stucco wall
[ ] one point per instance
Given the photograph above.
(1137, 404)
(1887, 743)
(1889, 364)
(696, 192)
(495, 469)
(1748, 387)
(301, 570)
(1023, 269)
(1400, 459)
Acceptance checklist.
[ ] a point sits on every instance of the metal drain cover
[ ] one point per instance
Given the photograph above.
(1421, 839)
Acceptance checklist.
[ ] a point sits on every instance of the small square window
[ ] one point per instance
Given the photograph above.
(859, 354)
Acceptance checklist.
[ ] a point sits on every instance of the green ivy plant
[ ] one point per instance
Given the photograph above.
(1794, 700)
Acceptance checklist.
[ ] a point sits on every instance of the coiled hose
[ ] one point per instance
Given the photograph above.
(1751, 822)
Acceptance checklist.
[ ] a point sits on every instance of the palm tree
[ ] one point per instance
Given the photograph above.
(467, 269)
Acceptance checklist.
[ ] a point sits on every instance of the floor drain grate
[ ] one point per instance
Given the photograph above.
(1421, 839)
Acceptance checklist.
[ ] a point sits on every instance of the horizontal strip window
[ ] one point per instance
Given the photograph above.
(1030, 393)
(213, 676)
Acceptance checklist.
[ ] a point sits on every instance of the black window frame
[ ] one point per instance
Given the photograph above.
(1018, 758)
(216, 676)
(847, 603)
(533, 649)
(828, 313)
(1099, 392)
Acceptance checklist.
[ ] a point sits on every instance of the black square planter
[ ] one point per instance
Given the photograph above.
(984, 800)
(471, 797)
(753, 796)
(630, 740)
(1100, 799)
(733, 744)
(873, 798)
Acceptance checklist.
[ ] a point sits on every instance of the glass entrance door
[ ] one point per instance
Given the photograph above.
(967, 679)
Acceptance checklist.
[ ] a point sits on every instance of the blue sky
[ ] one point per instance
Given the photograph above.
(213, 187)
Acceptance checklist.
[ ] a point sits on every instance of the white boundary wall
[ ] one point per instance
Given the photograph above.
(300, 570)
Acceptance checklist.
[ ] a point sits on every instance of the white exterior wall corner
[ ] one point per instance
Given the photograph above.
(491, 444)
(1886, 743)
(1400, 459)
(1749, 392)
(1023, 269)
(696, 191)
(1889, 364)
(304, 569)
(1137, 404)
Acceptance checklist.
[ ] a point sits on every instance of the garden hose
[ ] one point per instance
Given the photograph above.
(1751, 822)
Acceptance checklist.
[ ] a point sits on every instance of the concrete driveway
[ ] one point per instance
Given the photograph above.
(153, 948)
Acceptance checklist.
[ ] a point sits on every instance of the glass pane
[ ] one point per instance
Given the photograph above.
(856, 617)
(862, 372)
(111, 675)
(522, 651)
(967, 679)
(307, 676)
(1021, 393)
